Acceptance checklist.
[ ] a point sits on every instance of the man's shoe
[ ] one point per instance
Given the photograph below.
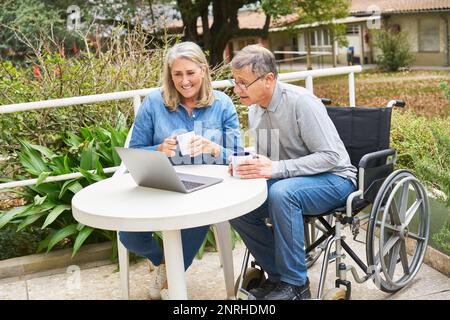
(261, 291)
(286, 291)
(157, 279)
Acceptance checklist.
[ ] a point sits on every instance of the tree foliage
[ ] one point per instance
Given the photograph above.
(225, 24)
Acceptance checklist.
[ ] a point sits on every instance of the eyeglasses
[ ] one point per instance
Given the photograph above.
(244, 86)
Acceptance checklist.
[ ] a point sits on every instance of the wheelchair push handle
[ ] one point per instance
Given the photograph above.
(396, 103)
(326, 101)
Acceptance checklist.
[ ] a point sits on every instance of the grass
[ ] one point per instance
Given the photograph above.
(420, 90)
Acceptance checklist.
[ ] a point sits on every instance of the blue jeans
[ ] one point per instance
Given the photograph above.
(143, 244)
(281, 253)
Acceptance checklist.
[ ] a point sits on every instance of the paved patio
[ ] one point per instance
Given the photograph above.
(204, 281)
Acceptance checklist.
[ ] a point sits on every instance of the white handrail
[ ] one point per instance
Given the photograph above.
(136, 94)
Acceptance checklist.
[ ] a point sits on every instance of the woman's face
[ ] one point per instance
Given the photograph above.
(187, 77)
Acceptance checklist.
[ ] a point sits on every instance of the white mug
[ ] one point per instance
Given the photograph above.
(184, 141)
(239, 157)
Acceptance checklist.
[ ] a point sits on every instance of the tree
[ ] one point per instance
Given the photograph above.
(225, 25)
(28, 18)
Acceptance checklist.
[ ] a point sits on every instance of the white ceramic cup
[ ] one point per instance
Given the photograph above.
(184, 141)
(237, 158)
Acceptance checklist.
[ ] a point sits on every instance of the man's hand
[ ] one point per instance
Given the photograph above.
(168, 146)
(260, 167)
(201, 145)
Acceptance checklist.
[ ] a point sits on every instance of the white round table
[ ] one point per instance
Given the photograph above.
(119, 204)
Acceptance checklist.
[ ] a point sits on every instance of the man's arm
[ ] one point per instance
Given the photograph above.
(319, 135)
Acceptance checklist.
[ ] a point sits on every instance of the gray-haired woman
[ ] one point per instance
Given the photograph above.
(186, 102)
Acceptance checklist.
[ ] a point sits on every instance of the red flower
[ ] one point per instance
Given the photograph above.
(37, 72)
(74, 48)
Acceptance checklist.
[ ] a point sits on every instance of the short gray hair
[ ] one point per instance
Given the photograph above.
(260, 60)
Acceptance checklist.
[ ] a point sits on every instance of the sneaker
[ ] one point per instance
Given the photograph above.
(286, 291)
(261, 291)
(157, 279)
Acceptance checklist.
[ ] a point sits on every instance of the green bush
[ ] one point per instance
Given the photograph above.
(48, 204)
(17, 244)
(395, 50)
(125, 63)
(442, 238)
(446, 89)
(423, 145)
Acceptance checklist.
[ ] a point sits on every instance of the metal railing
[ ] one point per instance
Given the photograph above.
(135, 95)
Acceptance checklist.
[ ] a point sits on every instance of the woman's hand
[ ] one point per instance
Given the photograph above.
(168, 146)
(201, 145)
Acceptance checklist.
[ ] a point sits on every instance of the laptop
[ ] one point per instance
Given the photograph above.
(153, 169)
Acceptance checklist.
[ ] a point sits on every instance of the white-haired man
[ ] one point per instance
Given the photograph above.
(306, 164)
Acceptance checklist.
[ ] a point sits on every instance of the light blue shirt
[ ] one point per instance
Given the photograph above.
(217, 122)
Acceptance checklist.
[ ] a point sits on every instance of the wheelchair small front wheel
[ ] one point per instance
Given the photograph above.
(335, 294)
(254, 277)
(399, 220)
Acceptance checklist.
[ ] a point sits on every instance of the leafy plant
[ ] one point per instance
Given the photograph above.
(395, 49)
(423, 145)
(442, 238)
(446, 88)
(49, 203)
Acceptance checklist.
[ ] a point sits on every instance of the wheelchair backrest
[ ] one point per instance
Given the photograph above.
(363, 130)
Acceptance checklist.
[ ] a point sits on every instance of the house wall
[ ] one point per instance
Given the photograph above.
(283, 41)
(410, 25)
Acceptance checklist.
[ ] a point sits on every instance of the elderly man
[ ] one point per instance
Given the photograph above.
(306, 164)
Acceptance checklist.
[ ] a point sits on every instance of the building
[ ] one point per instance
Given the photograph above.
(426, 23)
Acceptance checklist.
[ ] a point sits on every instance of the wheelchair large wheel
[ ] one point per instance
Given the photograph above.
(313, 231)
(254, 277)
(399, 220)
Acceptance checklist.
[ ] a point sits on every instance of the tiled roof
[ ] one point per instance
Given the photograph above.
(248, 19)
(255, 19)
(399, 6)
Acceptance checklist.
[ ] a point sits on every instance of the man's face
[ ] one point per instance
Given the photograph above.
(249, 87)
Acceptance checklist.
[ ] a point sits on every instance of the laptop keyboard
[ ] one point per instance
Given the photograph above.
(191, 185)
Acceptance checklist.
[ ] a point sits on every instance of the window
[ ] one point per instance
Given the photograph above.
(326, 38)
(320, 38)
(352, 29)
(429, 35)
(313, 38)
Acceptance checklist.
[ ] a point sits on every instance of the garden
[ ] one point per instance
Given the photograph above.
(54, 141)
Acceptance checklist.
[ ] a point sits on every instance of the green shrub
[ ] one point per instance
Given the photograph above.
(395, 50)
(442, 238)
(423, 145)
(446, 89)
(17, 244)
(48, 204)
(125, 63)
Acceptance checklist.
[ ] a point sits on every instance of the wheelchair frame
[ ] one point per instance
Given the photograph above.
(387, 233)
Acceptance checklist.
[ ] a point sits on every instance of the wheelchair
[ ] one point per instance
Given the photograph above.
(397, 215)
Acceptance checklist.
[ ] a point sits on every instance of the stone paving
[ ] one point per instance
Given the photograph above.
(204, 281)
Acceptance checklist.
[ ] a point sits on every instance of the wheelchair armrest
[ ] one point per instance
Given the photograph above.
(367, 158)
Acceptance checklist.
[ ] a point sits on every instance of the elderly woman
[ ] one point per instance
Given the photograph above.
(186, 102)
